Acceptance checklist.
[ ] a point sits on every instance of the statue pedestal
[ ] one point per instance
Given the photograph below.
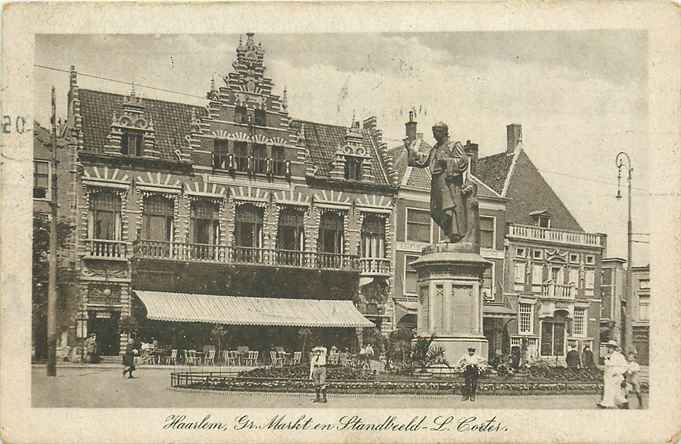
(449, 298)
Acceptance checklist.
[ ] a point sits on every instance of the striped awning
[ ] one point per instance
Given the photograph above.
(238, 310)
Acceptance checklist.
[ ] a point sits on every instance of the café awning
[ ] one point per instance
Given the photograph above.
(239, 310)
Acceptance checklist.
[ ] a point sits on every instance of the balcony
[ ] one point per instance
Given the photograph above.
(374, 266)
(532, 232)
(558, 291)
(107, 249)
(192, 252)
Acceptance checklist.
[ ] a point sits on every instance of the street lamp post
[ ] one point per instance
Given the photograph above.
(621, 159)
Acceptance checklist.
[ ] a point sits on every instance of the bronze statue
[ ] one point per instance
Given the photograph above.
(453, 203)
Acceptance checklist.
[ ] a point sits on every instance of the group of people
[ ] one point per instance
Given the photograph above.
(573, 360)
(620, 379)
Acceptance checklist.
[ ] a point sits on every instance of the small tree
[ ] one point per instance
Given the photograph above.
(399, 345)
(41, 245)
(304, 334)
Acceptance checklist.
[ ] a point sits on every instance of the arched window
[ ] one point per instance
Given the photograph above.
(291, 232)
(105, 216)
(331, 233)
(248, 230)
(157, 219)
(205, 226)
(373, 237)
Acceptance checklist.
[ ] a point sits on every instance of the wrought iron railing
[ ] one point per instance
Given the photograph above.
(194, 252)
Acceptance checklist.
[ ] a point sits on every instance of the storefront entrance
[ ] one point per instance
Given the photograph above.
(105, 325)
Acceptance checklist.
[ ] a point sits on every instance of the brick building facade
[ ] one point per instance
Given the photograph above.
(552, 266)
(235, 198)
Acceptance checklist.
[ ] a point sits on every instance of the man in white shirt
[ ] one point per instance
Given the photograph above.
(318, 372)
(472, 365)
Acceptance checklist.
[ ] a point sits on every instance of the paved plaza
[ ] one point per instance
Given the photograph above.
(106, 387)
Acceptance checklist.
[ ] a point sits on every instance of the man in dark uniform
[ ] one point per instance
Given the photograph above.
(572, 357)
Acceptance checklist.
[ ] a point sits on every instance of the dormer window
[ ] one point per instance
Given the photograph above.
(240, 114)
(353, 168)
(541, 218)
(260, 117)
(132, 143)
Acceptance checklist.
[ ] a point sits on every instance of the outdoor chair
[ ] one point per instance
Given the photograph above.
(209, 358)
(232, 357)
(172, 359)
(297, 357)
(275, 359)
(192, 358)
(252, 358)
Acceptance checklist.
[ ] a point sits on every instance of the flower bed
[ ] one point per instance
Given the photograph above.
(399, 385)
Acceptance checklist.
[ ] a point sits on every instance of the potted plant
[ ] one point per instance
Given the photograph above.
(424, 354)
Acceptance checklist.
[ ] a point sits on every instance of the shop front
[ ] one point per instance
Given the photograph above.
(186, 321)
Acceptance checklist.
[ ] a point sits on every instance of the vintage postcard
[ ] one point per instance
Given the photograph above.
(340, 222)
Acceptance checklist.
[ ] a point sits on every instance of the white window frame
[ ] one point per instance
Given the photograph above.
(536, 256)
(565, 339)
(531, 330)
(645, 304)
(582, 333)
(404, 276)
(575, 261)
(48, 193)
(523, 250)
(537, 281)
(406, 224)
(570, 270)
(492, 290)
(494, 232)
(589, 287)
(589, 259)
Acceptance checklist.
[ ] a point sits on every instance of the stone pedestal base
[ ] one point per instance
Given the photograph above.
(457, 346)
(450, 306)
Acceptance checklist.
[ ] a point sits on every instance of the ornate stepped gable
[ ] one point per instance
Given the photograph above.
(174, 131)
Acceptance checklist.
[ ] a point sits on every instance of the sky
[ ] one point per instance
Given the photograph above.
(580, 96)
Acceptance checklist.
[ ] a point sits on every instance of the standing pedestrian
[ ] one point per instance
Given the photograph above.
(129, 359)
(613, 377)
(472, 364)
(91, 348)
(318, 372)
(632, 377)
(572, 357)
(588, 358)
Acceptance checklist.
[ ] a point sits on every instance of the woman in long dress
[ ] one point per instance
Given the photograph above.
(613, 376)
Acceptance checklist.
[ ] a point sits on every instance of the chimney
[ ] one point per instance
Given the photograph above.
(411, 127)
(514, 136)
(472, 150)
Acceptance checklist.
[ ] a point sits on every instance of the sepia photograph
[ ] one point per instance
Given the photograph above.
(340, 223)
(397, 216)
